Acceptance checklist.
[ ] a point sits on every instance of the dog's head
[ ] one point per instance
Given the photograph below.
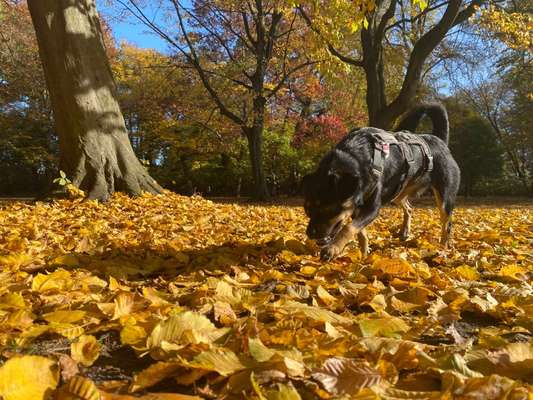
(329, 199)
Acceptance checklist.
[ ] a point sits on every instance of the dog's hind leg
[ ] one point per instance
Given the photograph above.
(362, 238)
(407, 214)
(445, 206)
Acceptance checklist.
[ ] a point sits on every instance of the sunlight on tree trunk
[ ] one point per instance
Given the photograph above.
(95, 150)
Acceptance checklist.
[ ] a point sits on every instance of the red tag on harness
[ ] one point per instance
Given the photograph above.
(386, 149)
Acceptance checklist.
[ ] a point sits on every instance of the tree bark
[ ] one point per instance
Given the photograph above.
(254, 135)
(95, 151)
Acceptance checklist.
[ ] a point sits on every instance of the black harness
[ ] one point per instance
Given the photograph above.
(405, 141)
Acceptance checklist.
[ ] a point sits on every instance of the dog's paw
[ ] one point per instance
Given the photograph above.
(330, 252)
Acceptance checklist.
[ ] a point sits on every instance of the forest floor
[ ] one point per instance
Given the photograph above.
(170, 297)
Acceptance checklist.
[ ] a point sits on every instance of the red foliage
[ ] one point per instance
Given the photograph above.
(325, 128)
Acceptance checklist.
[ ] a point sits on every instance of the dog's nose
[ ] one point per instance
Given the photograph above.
(311, 232)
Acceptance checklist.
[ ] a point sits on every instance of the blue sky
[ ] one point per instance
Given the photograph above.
(130, 29)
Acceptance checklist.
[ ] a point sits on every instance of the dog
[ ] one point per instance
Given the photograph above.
(371, 167)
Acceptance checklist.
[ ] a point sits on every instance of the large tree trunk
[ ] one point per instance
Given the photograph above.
(376, 100)
(254, 136)
(94, 146)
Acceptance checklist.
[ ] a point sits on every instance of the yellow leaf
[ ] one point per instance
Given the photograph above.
(28, 377)
(59, 280)
(68, 260)
(223, 361)
(512, 270)
(468, 273)
(259, 351)
(132, 334)
(185, 328)
(324, 295)
(78, 388)
(15, 261)
(284, 392)
(65, 316)
(316, 313)
(86, 350)
(67, 330)
(308, 270)
(387, 326)
(394, 266)
(153, 374)
(124, 302)
(12, 300)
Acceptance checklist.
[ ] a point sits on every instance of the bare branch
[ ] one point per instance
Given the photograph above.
(202, 74)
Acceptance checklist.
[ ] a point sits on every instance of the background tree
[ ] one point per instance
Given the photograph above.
(387, 23)
(475, 146)
(94, 146)
(242, 48)
(28, 144)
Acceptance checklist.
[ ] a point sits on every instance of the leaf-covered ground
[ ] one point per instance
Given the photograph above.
(169, 297)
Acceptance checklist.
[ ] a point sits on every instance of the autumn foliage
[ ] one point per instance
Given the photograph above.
(179, 296)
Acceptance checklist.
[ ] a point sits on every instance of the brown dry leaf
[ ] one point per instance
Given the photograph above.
(69, 367)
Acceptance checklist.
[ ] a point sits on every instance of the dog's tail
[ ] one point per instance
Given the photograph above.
(436, 112)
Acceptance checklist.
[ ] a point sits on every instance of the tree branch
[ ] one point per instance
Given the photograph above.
(331, 48)
(205, 81)
(422, 48)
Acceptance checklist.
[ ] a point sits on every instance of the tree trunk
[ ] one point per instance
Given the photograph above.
(381, 113)
(95, 150)
(376, 100)
(254, 134)
(255, 147)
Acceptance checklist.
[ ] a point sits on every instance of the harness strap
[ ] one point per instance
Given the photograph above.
(382, 142)
(405, 141)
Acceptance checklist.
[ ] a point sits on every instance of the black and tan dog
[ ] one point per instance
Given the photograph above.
(371, 167)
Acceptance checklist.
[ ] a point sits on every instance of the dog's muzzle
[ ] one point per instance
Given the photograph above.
(325, 240)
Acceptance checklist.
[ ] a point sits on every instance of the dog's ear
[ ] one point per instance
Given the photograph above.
(347, 185)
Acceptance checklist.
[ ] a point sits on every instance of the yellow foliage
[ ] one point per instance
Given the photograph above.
(514, 29)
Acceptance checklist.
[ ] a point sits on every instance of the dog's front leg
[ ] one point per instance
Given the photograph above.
(365, 215)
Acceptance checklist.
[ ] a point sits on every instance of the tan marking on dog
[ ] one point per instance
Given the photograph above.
(335, 248)
(347, 212)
